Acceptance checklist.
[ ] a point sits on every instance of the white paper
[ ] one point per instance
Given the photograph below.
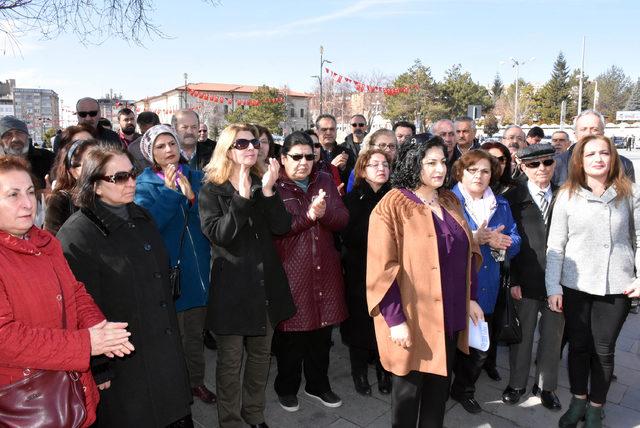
(479, 335)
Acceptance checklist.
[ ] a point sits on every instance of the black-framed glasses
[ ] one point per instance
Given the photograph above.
(317, 145)
(298, 157)
(536, 164)
(358, 125)
(120, 177)
(243, 143)
(92, 113)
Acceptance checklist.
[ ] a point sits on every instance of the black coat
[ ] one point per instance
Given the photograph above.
(204, 151)
(125, 267)
(247, 278)
(358, 329)
(41, 161)
(527, 267)
(351, 145)
(337, 149)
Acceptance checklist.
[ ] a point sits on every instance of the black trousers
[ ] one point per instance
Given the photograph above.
(303, 350)
(593, 324)
(467, 369)
(419, 399)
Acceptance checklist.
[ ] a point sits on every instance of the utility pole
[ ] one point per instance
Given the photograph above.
(186, 100)
(581, 78)
(322, 62)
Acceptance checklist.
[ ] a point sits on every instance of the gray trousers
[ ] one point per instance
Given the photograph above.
(244, 399)
(191, 324)
(550, 326)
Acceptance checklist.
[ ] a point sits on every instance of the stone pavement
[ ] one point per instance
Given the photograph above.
(622, 409)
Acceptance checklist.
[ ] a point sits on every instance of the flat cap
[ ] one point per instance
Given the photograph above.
(7, 123)
(535, 151)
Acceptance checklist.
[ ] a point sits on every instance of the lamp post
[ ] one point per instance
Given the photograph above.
(322, 62)
(186, 100)
(516, 63)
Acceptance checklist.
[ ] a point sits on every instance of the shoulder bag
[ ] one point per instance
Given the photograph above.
(508, 328)
(174, 271)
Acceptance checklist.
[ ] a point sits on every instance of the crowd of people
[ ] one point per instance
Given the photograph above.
(123, 253)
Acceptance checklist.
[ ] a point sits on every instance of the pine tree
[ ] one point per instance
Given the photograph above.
(633, 103)
(557, 89)
(497, 88)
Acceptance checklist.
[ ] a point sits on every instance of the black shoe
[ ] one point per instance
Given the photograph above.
(614, 378)
(260, 425)
(289, 403)
(492, 372)
(209, 340)
(361, 383)
(512, 395)
(469, 404)
(549, 398)
(328, 398)
(384, 383)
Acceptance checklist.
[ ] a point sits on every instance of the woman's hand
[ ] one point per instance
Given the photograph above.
(483, 234)
(318, 206)
(555, 302)
(110, 338)
(244, 182)
(516, 292)
(475, 312)
(400, 335)
(185, 186)
(633, 290)
(105, 385)
(498, 240)
(170, 176)
(269, 178)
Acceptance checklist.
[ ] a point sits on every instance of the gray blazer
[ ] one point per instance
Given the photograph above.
(592, 245)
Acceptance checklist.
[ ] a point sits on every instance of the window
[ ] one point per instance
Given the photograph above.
(292, 112)
(226, 108)
(302, 112)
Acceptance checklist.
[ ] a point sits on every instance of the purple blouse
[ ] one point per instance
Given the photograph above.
(453, 247)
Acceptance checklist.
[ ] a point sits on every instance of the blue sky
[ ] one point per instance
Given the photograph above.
(277, 42)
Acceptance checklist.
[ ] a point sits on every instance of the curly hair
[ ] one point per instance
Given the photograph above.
(408, 165)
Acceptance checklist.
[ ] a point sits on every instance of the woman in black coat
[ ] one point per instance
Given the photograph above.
(371, 184)
(115, 249)
(249, 290)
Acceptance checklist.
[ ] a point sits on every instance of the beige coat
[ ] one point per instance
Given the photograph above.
(403, 246)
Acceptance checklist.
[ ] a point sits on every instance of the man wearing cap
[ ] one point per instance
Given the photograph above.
(14, 139)
(532, 205)
(88, 111)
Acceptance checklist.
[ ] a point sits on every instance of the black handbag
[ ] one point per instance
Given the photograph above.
(508, 330)
(44, 399)
(174, 271)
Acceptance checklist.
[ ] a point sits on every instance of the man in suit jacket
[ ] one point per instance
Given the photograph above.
(531, 205)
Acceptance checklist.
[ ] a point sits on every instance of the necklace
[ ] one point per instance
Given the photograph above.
(431, 202)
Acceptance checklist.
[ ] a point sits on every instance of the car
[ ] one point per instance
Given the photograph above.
(618, 142)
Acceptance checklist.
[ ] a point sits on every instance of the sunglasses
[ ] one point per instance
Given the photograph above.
(243, 143)
(92, 113)
(535, 164)
(120, 177)
(298, 157)
(317, 145)
(501, 159)
(358, 125)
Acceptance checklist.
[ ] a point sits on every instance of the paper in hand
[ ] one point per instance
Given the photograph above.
(479, 335)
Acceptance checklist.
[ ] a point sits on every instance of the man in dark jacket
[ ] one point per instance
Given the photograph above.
(531, 205)
(187, 123)
(589, 122)
(146, 120)
(336, 154)
(14, 139)
(88, 111)
(354, 140)
(127, 122)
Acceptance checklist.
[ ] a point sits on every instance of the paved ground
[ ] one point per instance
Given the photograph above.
(622, 409)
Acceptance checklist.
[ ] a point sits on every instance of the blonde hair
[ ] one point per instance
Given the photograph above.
(370, 139)
(219, 168)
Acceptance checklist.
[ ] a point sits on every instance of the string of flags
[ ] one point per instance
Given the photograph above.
(226, 100)
(363, 87)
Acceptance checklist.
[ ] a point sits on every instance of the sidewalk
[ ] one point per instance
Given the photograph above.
(622, 409)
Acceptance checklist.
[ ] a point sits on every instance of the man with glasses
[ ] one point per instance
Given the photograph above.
(514, 138)
(560, 141)
(358, 131)
(336, 154)
(531, 205)
(187, 124)
(589, 122)
(88, 112)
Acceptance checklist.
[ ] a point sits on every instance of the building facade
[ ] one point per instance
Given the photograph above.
(38, 108)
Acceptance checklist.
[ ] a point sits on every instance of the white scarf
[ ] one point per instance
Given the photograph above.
(479, 209)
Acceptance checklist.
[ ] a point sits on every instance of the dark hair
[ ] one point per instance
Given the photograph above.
(94, 166)
(471, 157)
(274, 149)
(295, 139)
(404, 124)
(536, 131)
(616, 176)
(311, 132)
(505, 179)
(408, 165)
(363, 160)
(148, 118)
(126, 111)
(67, 156)
(105, 123)
(70, 131)
(325, 116)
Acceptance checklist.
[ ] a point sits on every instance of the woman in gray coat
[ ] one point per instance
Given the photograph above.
(592, 258)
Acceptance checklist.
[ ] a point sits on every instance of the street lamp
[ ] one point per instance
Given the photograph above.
(322, 62)
(186, 102)
(515, 63)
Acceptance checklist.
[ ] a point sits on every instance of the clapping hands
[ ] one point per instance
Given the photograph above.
(110, 339)
(318, 206)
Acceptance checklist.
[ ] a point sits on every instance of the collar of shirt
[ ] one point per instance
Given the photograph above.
(534, 190)
(187, 157)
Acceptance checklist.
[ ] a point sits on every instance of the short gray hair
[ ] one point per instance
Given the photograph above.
(587, 113)
(179, 114)
(513, 126)
(437, 123)
(466, 119)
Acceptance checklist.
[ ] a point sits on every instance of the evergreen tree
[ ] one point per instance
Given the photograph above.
(633, 103)
(267, 114)
(557, 89)
(458, 91)
(614, 89)
(497, 88)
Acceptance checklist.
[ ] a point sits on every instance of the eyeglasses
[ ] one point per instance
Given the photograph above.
(298, 157)
(474, 171)
(384, 165)
(385, 146)
(243, 143)
(202, 130)
(92, 113)
(317, 145)
(358, 125)
(501, 159)
(536, 164)
(326, 129)
(120, 177)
